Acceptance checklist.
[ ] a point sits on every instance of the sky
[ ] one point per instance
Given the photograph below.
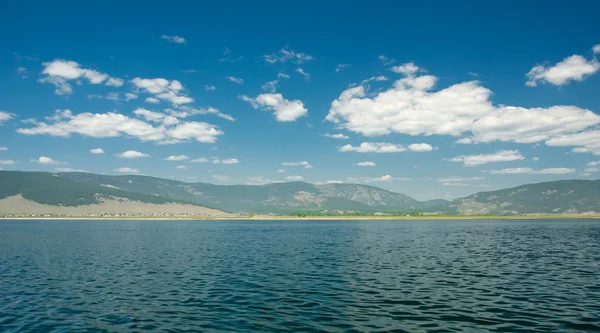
(429, 99)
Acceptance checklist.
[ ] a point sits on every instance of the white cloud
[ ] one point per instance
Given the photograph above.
(585, 142)
(337, 136)
(130, 96)
(305, 164)
(286, 54)
(152, 100)
(548, 171)
(131, 154)
(111, 124)
(113, 96)
(163, 89)
(114, 82)
(374, 147)
(5, 116)
(97, 151)
(68, 170)
(386, 178)
(7, 162)
(536, 158)
(270, 86)
(458, 179)
(3, 148)
(284, 110)
(420, 147)
(410, 107)
(573, 68)
(187, 111)
(406, 69)
(339, 67)
(294, 178)
(334, 182)
(235, 79)
(455, 184)
(22, 72)
(303, 73)
(280, 170)
(230, 161)
(181, 167)
(209, 87)
(591, 169)
(174, 39)
(222, 178)
(156, 117)
(59, 72)
(366, 164)
(594, 163)
(46, 160)
(282, 75)
(126, 170)
(499, 156)
(177, 158)
(596, 49)
(378, 78)
(199, 160)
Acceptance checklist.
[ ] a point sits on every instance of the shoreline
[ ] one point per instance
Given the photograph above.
(321, 218)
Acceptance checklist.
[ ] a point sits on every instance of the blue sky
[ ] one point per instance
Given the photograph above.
(434, 99)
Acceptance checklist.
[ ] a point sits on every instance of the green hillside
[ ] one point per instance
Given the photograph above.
(557, 197)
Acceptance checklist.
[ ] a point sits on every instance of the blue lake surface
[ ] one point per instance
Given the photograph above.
(300, 276)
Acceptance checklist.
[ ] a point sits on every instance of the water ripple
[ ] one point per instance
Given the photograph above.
(299, 276)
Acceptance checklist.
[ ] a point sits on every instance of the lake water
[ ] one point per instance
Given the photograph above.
(300, 276)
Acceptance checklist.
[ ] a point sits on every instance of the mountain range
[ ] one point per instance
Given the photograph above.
(76, 189)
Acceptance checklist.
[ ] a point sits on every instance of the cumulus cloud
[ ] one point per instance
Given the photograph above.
(385, 147)
(97, 151)
(235, 79)
(411, 107)
(174, 39)
(131, 154)
(584, 142)
(294, 178)
(573, 68)
(5, 116)
(46, 160)
(420, 147)
(304, 164)
(286, 54)
(162, 89)
(130, 96)
(59, 72)
(177, 158)
(406, 69)
(337, 136)
(548, 171)
(126, 170)
(156, 117)
(230, 161)
(596, 49)
(499, 156)
(366, 164)
(152, 100)
(112, 124)
(114, 82)
(284, 110)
